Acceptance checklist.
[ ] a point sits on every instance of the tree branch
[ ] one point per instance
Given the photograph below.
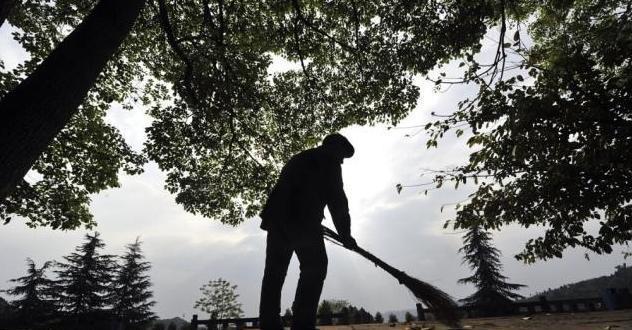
(175, 46)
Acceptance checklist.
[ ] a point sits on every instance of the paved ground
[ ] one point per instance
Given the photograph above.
(616, 320)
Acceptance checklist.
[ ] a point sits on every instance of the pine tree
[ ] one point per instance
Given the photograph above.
(494, 295)
(325, 311)
(379, 318)
(35, 289)
(392, 318)
(365, 317)
(131, 294)
(84, 281)
(408, 317)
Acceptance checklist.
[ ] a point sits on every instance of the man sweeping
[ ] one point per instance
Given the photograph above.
(292, 217)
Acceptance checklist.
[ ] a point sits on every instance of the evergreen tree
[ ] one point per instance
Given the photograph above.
(131, 294)
(344, 317)
(172, 326)
(493, 293)
(379, 318)
(35, 289)
(354, 315)
(325, 311)
(409, 317)
(392, 318)
(84, 281)
(365, 317)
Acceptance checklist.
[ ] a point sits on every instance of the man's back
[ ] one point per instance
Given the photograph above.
(309, 181)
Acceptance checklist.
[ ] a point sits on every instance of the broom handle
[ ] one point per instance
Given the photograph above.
(398, 274)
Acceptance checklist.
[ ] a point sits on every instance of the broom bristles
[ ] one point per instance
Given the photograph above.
(440, 303)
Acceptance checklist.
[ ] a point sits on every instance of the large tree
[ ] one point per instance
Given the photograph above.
(36, 110)
(131, 294)
(35, 302)
(494, 294)
(84, 282)
(551, 126)
(223, 120)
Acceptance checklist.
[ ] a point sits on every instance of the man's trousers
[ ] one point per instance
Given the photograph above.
(310, 250)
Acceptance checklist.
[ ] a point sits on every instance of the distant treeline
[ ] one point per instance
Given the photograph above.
(350, 314)
(621, 278)
(89, 290)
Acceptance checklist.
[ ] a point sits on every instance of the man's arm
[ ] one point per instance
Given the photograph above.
(338, 205)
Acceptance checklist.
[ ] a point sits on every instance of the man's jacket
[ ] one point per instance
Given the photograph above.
(309, 181)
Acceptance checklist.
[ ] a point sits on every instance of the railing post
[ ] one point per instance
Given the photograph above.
(194, 322)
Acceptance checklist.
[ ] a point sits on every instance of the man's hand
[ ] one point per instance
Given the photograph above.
(349, 242)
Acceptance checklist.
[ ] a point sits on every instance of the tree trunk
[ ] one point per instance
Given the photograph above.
(5, 8)
(34, 112)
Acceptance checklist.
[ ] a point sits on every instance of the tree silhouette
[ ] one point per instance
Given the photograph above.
(408, 317)
(493, 294)
(392, 318)
(379, 318)
(131, 289)
(84, 281)
(365, 317)
(325, 311)
(35, 290)
(219, 300)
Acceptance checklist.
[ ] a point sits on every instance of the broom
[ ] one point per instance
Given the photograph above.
(441, 304)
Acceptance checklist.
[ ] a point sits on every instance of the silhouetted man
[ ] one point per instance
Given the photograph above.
(292, 216)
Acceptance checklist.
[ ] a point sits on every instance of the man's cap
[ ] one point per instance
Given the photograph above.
(340, 141)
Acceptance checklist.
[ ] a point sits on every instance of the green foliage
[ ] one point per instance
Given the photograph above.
(88, 154)
(224, 119)
(131, 289)
(550, 130)
(219, 300)
(172, 326)
(492, 291)
(392, 318)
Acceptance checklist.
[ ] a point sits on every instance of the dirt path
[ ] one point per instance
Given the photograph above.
(616, 320)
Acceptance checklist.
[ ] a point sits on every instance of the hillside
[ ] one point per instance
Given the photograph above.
(621, 278)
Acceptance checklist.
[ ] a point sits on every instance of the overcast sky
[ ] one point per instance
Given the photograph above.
(404, 229)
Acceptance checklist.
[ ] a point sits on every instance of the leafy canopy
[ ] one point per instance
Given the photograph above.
(550, 126)
(225, 115)
(219, 300)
